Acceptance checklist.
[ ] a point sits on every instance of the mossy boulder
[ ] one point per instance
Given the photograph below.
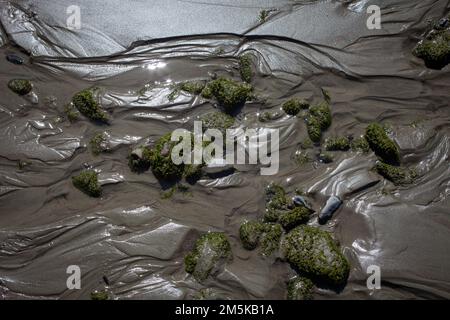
(435, 49)
(217, 120)
(337, 144)
(381, 144)
(209, 250)
(87, 182)
(299, 288)
(161, 162)
(20, 86)
(86, 102)
(230, 94)
(267, 235)
(293, 106)
(245, 67)
(314, 253)
(398, 175)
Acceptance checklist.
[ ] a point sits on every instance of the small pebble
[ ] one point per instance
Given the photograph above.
(333, 203)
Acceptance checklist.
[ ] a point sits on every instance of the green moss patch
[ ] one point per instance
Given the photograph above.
(20, 86)
(230, 94)
(381, 144)
(318, 120)
(267, 235)
(293, 106)
(315, 254)
(360, 145)
(99, 295)
(98, 143)
(245, 67)
(337, 144)
(88, 106)
(161, 162)
(217, 120)
(87, 182)
(208, 251)
(398, 175)
(435, 49)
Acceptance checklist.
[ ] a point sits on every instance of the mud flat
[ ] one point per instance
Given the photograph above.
(137, 231)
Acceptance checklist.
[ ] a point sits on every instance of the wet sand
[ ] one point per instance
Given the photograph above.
(136, 238)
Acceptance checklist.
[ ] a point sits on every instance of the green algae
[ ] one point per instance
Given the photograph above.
(217, 120)
(161, 162)
(98, 143)
(245, 67)
(209, 249)
(293, 106)
(381, 144)
(435, 49)
(299, 288)
(337, 144)
(314, 253)
(87, 182)
(397, 175)
(20, 86)
(88, 106)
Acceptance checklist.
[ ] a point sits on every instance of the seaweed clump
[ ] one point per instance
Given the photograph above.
(20, 86)
(293, 106)
(98, 143)
(360, 144)
(209, 249)
(86, 103)
(299, 288)
(161, 162)
(87, 182)
(434, 49)
(245, 67)
(318, 120)
(217, 120)
(381, 144)
(398, 175)
(230, 94)
(254, 233)
(314, 253)
(278, 211)
(192, 87)
(337, 144)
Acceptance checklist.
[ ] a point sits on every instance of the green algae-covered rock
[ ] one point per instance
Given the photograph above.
(300, 288)
(245, 67)
(316, 254)
(267, 235)
(87, 182)
(161, 162)
(337, 144)
(193, 172)
(230, 94)
(192, 87)
(295, 217)
(20, 86)
(88, 106)
(98, 143)
(360, 145)
(381, 144)
(217, 120)
(435, 49)
(398, 175)
(318, 120)
(275, 196)
(293, 106)
(208, 251)
(139, 159)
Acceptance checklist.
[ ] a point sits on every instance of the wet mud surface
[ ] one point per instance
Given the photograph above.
(137, 238)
